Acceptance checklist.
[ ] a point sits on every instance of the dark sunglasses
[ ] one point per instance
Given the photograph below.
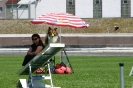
(34, 39)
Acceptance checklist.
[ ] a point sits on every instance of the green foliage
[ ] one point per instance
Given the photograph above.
(89, 72)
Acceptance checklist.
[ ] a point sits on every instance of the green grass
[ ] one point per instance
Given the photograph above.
(89, 72)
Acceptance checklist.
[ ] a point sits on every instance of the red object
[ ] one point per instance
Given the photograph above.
(68, 70)
(12, 1)
(57, 66)
(37, 22)
(63, 68)
(40, 70)
(59, 71)
(60, 19)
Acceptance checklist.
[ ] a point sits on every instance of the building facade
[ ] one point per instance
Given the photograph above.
(30, 9)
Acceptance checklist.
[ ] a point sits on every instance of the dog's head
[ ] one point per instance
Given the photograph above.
(52, 32)
(52, 36)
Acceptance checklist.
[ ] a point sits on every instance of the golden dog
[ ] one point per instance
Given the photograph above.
(52, 36)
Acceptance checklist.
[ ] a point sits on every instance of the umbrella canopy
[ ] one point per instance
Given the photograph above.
(60, 19)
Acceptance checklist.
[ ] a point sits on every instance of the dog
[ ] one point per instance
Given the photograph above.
(52, 36)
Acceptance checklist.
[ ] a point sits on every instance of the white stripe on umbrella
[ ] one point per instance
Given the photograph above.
(54, 19)
(76, 22)
(61, 19)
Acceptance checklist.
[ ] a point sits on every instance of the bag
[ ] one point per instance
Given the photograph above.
(62, 69)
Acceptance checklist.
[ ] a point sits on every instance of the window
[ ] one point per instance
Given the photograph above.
(70, 2)
(97, 1)
(125, 1)
(0, 9)
(97, 8)
(70, 6)
(126, 8)
(23, 6)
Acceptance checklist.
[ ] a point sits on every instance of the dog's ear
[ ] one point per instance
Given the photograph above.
(49, 29)
(55, 29)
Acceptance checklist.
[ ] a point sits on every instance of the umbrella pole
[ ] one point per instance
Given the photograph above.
(61, 51)
(60, 34)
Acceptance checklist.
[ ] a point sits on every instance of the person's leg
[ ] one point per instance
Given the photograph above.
(27, 59)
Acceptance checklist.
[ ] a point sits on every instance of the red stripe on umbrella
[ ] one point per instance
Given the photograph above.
(61, 19)
(37, 22)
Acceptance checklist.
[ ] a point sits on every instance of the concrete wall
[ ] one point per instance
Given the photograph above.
(84, 9)
(99, 41)
(75, 41)
(111, 8)
(48, 6)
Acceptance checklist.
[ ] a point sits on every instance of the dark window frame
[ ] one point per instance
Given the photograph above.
(1, 9)
(125, 1)
(97, 1)
(70, 2)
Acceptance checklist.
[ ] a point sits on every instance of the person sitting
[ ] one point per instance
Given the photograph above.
(34, 49)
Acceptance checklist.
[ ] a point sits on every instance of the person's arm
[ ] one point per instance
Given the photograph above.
(30, 51)
(39, 48)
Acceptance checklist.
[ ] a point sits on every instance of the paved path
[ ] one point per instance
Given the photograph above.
(75, 51)
(83, 34)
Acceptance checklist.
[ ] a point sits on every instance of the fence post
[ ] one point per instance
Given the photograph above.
(121, 75)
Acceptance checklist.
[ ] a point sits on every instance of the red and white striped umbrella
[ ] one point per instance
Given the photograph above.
(61, 19)
(76, 22)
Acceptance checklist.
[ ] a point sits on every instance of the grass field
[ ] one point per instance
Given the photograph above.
(89, 72)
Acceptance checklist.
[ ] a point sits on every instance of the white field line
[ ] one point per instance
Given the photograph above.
(74, 35)
(78, 50)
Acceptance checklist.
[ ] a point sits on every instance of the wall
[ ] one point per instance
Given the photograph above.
(111, 8)
(75, 40)
(84, 9)
(47, 6)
